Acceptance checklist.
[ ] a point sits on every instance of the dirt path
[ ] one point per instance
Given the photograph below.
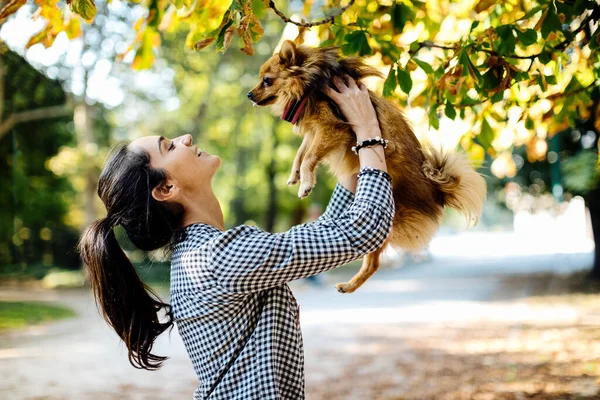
(406, 334)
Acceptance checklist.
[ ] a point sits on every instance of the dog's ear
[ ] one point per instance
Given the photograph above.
(287, 54)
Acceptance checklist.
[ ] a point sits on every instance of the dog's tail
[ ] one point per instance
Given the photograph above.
(462, 187)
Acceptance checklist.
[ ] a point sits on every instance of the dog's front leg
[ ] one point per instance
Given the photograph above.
(318, 148)
(295, 175)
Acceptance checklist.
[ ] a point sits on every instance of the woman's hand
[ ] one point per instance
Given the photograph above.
(355, 104)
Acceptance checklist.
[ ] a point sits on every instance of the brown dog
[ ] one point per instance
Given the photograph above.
(424, 179)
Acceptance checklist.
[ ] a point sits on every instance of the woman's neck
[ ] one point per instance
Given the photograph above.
(204, 208)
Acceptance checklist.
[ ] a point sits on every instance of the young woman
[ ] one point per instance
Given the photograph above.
(234, 311)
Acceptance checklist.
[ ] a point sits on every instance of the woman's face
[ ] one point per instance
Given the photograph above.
(188, 168)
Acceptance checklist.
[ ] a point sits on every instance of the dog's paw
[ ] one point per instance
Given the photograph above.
(345, 287)
(305, 189)
(294, 178)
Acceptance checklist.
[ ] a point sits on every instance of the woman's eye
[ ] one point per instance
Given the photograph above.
(172, 146)
(267, 81)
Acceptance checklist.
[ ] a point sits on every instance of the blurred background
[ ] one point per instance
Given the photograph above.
(508, 309)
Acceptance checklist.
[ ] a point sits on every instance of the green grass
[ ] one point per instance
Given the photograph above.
(15, 315)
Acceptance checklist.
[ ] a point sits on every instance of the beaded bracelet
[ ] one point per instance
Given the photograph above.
(369, 142)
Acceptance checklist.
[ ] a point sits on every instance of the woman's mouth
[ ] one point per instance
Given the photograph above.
(198, 152)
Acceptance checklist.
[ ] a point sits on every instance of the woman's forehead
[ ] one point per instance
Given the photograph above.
(149, 143)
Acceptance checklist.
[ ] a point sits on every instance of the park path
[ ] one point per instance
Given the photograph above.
(349, 339)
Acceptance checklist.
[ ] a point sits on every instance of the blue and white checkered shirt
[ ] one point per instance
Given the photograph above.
(237, 317)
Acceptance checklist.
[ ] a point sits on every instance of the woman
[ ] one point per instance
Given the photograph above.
(234, 311)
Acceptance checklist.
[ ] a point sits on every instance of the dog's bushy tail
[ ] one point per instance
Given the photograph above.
(462, 187)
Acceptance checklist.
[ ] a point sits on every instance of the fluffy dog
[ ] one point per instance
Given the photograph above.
(424, 179)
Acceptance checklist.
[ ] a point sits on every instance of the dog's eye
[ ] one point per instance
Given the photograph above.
(267, 81)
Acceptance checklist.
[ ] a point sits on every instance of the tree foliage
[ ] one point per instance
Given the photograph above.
(528, 64)
(35, 202)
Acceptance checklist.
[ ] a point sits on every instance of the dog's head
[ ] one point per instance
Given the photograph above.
(297, 70)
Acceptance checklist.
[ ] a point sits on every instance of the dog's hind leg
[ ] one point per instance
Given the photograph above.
(295, 175)
(369, 266)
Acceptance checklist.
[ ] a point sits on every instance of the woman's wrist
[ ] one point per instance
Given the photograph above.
(367, 132)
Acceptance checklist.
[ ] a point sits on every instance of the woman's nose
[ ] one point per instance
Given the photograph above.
(187, 140)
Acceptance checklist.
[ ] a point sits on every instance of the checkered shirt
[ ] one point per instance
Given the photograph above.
(237, 317)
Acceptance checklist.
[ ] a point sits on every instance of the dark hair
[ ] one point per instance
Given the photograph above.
(127, 304)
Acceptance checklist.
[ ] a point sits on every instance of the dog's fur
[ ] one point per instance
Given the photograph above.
(424, 179)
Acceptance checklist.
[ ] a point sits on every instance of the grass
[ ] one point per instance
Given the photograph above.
(15, 315)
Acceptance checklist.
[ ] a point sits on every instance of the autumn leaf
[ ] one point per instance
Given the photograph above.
(483, 5)
(40, 36)
(248, 49)
(11, 8)
(203, 43)
(84, 8)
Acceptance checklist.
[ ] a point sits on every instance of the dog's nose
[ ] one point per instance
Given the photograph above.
(250, 94)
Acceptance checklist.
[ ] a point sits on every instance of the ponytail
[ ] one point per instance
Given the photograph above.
(128, 305)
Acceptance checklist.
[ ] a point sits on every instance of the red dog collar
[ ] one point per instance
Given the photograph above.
(292, 111)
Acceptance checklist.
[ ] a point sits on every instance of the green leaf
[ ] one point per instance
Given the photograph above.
(551, 22)
(497, 97)
(550, 79)
(450, 111)
(527, 38)
(486, 135)
(520, 76)
(401, 14)
(490, 81)
(221, 37)
(433, 118)
(529, 123)
(507, 40)
(414, 46)
(404, 80)
(357, 43)
(463, 59)
(424, 66)
(474, 25)
(390, 83)
(545, 57)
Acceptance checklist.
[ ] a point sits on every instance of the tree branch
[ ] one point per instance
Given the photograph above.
(593, 16)
(33, 115)
(309, 24)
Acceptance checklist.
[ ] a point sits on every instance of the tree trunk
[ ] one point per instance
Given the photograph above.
(594, 206)
(84, 131)
(271, 172)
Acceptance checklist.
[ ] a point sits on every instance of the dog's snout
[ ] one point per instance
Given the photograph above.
(250, 95)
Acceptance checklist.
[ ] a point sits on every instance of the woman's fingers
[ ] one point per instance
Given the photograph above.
(362, 87)
(350, 81)
(339, 84)
(331, 93)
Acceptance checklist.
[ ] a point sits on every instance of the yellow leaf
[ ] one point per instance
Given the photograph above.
(84, 8)
(39, 37)
(73, 29)
(11, 7)
(483, 5)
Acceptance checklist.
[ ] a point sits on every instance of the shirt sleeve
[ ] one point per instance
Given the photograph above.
(341, 199)
(248, 259)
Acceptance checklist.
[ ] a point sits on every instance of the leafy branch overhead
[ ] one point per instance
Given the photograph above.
(533, 62)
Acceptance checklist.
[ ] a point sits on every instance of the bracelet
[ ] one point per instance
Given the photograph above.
(368, 143)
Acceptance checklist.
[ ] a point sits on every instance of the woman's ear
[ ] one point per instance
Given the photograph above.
(287, 54)
(164, 192)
